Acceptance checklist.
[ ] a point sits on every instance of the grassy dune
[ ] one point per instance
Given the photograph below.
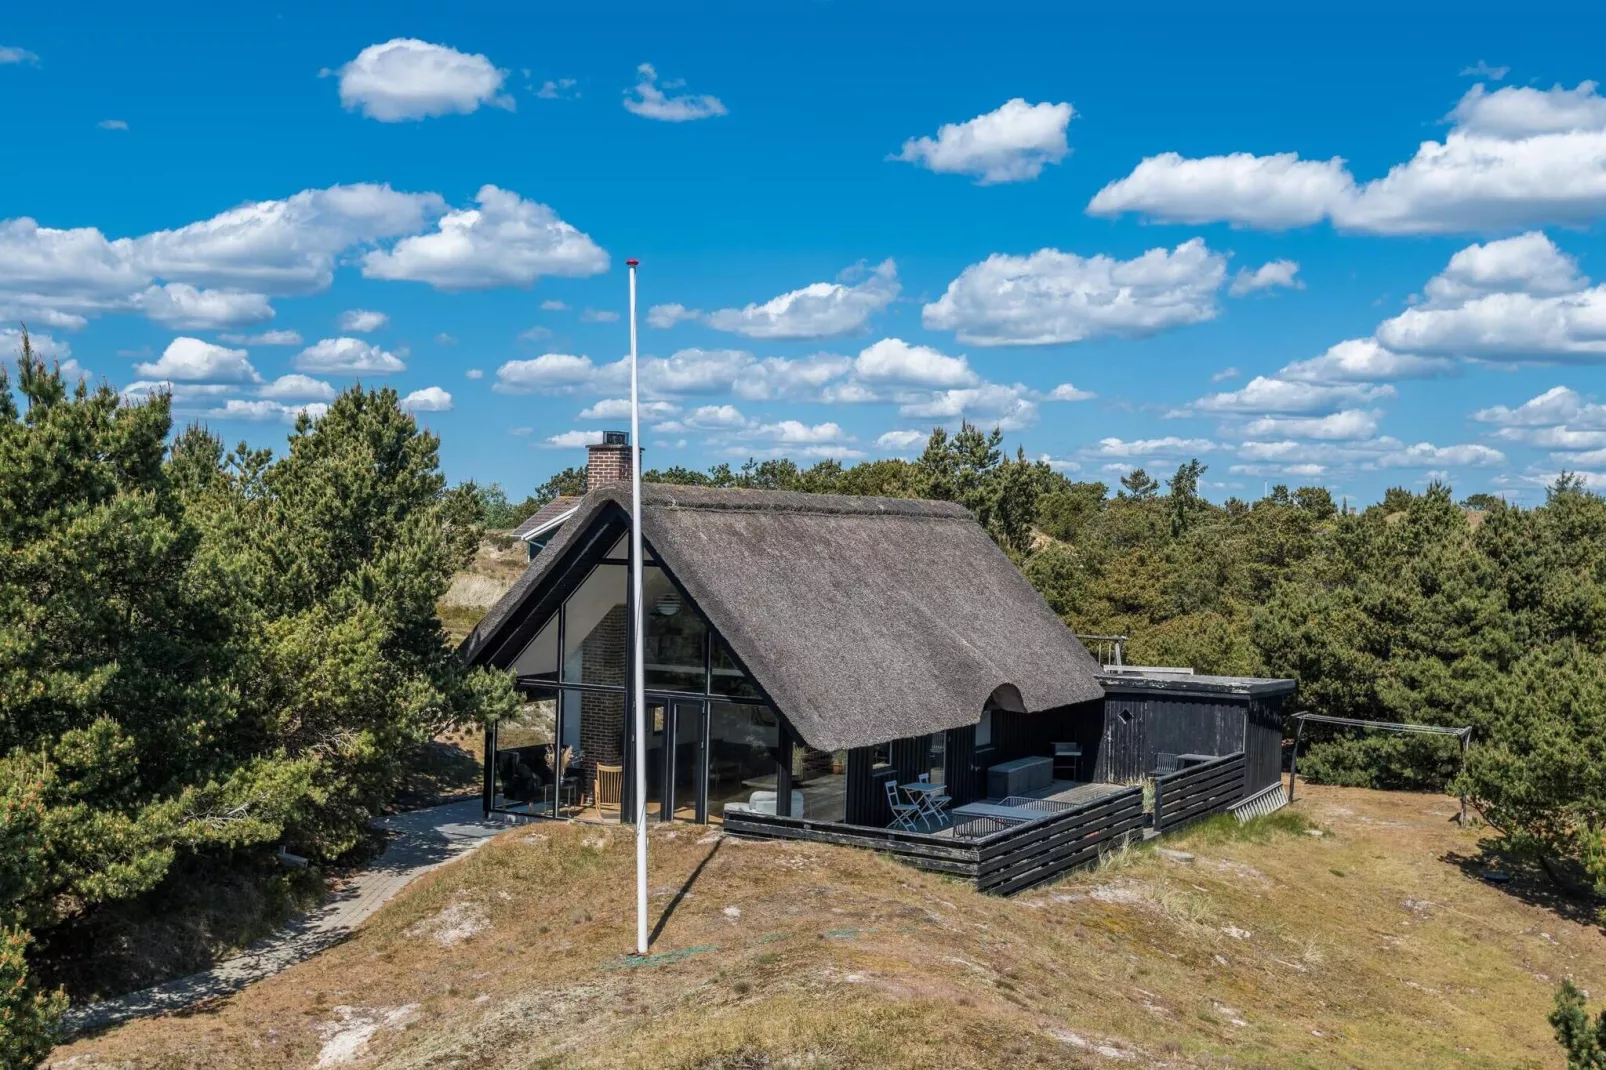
(1373, 944)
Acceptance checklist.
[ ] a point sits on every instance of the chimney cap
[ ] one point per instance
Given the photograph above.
(616, 438)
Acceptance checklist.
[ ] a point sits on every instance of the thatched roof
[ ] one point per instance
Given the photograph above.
(863, 619)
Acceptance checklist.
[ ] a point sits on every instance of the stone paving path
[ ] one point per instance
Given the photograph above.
(420, 841)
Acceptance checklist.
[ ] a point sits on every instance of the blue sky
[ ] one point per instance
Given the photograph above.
(1350, 252)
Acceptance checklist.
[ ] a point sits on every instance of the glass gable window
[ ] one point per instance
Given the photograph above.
(540, 657)
(595, 628)
(676, 636)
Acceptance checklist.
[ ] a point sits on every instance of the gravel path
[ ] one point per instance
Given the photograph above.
(421, 840)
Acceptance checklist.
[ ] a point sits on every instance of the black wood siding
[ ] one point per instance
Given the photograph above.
(1160, 723)
(965, 777)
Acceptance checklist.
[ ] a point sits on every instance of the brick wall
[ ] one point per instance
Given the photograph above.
(602, 717)
(607, 464)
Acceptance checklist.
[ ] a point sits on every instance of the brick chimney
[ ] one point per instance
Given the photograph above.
(609, 460)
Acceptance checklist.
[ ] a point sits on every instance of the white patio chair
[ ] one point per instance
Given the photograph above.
(933, 804)
(904, 814)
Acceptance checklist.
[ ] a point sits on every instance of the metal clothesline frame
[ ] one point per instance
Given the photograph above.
(1463, 733)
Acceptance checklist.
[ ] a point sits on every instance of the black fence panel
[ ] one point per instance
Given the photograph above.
(1001, 863)
(1197, 791)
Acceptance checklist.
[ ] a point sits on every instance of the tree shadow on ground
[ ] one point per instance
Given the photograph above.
(1528, 882)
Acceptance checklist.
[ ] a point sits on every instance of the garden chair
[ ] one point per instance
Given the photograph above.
(904, 814)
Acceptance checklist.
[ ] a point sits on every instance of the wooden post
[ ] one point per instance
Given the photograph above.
(1464, 740)
(1293, 759)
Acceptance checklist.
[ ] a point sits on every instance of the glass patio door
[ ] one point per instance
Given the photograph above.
(687, 775)
(676, 760)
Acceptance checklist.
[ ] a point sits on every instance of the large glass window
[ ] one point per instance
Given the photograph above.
(522, 773)
(540, 657)
(820, 777)
(743, 744)
(676, 636)
(595, 628)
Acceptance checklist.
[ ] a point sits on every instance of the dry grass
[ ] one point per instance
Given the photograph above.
(497, 563)
(1366, 946)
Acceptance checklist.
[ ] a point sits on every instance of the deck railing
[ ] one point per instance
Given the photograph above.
(1197, 791)
(1108, 649)
(1000, 863)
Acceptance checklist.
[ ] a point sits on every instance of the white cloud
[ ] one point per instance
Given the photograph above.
(506, 241)
(820, 310)
(266, 338)
(894, 361)
(1052, 297)
(557, 89)
(1270, 275)
(1424, 454)
(1481, 69)
(599, 315)
(183, 307)
(474, 373)
(795, 431)
(1560, 418)
(219, 270)
(1225, 374)
(553, 305)
(1145, 447)
(548, 373)
(194, 361)
(715, 418)
(297, 388)
(112, 124)
(1007, 407)
(362, 320)
(1270, 192)
(619, 409)
(1523, 111)
(650, 102)
(10, 54)
(1517, 299)
(1514, 157)
(350, 356)
(665, 316)
(1361, 360)
(1528, 263)
(901, 440)
(571, 440)
(242, 409)
(1347, 424)
(1012, 144)
(779, 377)
(1067, 392)
(429, 399)
(280, 247)
(1062, 464)
(1264, 394)
(1558, 405)
(445, 339)
(535, 334)
(405, 78)
(1507, 327)
(184, 395)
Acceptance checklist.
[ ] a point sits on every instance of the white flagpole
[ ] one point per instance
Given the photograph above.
(638, 634)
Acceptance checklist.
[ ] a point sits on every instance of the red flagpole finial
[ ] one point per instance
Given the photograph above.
(632, 263)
